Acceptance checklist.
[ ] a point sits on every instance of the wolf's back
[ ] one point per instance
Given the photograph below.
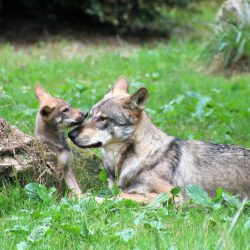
(214, 166)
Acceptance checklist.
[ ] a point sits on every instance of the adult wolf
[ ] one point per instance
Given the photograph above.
(145, 160)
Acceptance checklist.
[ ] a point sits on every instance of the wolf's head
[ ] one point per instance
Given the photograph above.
(113, 119)
(57, 112)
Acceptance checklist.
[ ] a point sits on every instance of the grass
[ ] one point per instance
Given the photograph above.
(171, 72)
(184, 102)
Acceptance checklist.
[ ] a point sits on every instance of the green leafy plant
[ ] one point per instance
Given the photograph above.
(126, 234)
(198, 195)
(158, 201)
(38, 233)
(229, 48)
(39, 192)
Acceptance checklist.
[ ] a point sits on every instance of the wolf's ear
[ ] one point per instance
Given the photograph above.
(120, 86)
(139, 99)
(46, 111)
(41, 93)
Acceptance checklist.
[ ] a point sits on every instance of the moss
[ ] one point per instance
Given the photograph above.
(87, 166)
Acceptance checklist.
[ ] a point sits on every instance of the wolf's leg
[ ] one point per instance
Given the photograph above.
(161, 186)
(110, 183)
(72, 183)
(158, 186)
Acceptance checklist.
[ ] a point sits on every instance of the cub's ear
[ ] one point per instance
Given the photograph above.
(46, 111)
(41, 93)
(120, 86)
(139, 99)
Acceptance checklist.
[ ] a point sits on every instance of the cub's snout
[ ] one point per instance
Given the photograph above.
(79, 119)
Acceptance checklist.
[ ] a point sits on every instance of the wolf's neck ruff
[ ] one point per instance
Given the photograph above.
(146, 133)
(145, 141)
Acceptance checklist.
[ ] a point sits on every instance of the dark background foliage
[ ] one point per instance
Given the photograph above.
(118, 15)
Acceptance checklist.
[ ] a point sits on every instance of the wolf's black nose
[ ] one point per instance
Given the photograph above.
(73, 134)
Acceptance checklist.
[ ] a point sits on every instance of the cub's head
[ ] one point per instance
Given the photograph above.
(113, 119)
(57, 112)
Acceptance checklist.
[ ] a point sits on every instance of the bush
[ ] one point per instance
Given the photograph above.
(230, 48)
(130, 14)
(123, 15)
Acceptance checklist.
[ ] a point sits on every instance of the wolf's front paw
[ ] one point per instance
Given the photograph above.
(76, 194)
(141, 198)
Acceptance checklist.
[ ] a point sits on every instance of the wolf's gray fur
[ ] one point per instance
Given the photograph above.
(144, 159)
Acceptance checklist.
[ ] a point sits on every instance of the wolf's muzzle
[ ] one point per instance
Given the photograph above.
(74, 133)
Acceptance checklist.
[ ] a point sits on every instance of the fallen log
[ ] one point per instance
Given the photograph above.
(25, 159)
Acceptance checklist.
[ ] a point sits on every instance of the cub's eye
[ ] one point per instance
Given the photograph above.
(65, 110)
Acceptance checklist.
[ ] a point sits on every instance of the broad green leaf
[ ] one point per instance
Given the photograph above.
(18, 229)
(199, 110)
(158, 201)
(37, 191)
(198, 195)
(175, 191)
(31, 190)
(231, 200)
(38, 233)
(127, 234)
(23, 245)
(157, 224)
(219, 192)
(247, 224)
(74, 229)
(46, 220)
(139, 219)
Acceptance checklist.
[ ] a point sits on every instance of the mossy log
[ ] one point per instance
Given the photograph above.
(25, 159)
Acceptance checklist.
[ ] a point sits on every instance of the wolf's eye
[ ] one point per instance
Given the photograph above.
(102, 118)
(65, 110)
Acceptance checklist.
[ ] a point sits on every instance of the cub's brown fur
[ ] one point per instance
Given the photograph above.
(53, 117)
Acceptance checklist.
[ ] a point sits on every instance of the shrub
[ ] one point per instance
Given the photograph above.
(123, 15)
(230, 48)
(130, 14)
